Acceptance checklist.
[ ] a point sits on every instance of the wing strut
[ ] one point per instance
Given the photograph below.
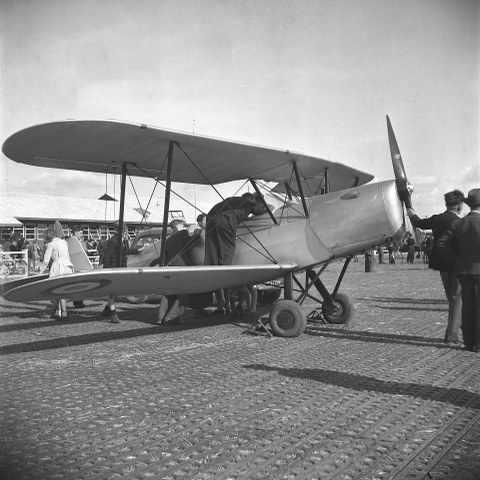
(326, 187)
(299, 183)
(288, 190)
(167, 202)
(255, 186)
(122, 212)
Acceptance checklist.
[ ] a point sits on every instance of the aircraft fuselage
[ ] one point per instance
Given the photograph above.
(339, 224)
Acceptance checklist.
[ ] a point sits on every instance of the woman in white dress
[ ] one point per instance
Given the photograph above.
(57, 260)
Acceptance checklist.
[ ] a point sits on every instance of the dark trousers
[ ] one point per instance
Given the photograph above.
(220, 239)
(453, 292)
(471, 311)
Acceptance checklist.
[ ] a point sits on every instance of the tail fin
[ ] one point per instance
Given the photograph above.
(58, 229)
(78, 257)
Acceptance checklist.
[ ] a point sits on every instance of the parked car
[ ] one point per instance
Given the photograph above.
(145, 248)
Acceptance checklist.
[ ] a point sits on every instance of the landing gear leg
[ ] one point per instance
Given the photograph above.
(337, 307)
(287, 286)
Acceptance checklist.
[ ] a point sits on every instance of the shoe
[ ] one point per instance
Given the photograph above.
(162, 310)
(456, 340)
(106, 311)
(173, 313)
(79, 304)
(64, 315)
(114, 317)
(57, 317)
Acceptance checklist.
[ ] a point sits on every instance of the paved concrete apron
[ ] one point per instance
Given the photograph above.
(383, 398)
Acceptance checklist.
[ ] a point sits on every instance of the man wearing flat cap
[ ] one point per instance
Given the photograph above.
(464, 245)
(439, 224)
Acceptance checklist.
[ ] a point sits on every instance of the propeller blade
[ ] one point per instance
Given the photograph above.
(403, 186)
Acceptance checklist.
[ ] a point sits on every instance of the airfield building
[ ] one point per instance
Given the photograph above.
(31, 215)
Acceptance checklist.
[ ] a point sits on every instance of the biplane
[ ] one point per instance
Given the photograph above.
(324, 211)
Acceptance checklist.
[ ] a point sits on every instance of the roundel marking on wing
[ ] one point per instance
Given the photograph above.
(77, 287)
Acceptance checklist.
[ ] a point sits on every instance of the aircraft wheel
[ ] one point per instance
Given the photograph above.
(343, 311)
(136, 298)
(287, 319)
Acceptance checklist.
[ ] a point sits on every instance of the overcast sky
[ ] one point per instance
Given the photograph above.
(314, 76)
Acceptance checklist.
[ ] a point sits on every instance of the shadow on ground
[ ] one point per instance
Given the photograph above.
(454, 396)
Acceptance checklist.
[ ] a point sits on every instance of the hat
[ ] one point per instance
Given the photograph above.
(473, 199)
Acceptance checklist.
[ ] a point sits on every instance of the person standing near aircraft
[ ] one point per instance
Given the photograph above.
(439, 224)
(410, 242)
(200, 226)
(463, 245)
(221, 232)
(177, 243)
(57, 259)
(33, 255)
(117, 241)
(77, 231)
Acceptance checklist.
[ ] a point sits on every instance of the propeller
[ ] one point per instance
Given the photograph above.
(404, 187)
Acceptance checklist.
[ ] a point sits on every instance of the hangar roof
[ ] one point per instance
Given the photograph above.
(16, 208)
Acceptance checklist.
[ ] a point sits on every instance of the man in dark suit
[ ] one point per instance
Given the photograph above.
(464, 245)
(439, 224)
(119, 240)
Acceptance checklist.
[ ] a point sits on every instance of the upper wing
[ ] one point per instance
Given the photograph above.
(135, 281)
(95, 146)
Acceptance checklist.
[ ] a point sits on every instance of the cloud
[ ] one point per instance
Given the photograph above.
(423, 181)
(62, 183)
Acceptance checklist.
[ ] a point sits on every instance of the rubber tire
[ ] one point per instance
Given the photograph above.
(345, 314)
(137, 298)
(268, 296)
(287, 319)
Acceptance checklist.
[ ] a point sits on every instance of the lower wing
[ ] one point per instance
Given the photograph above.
(149, 280)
